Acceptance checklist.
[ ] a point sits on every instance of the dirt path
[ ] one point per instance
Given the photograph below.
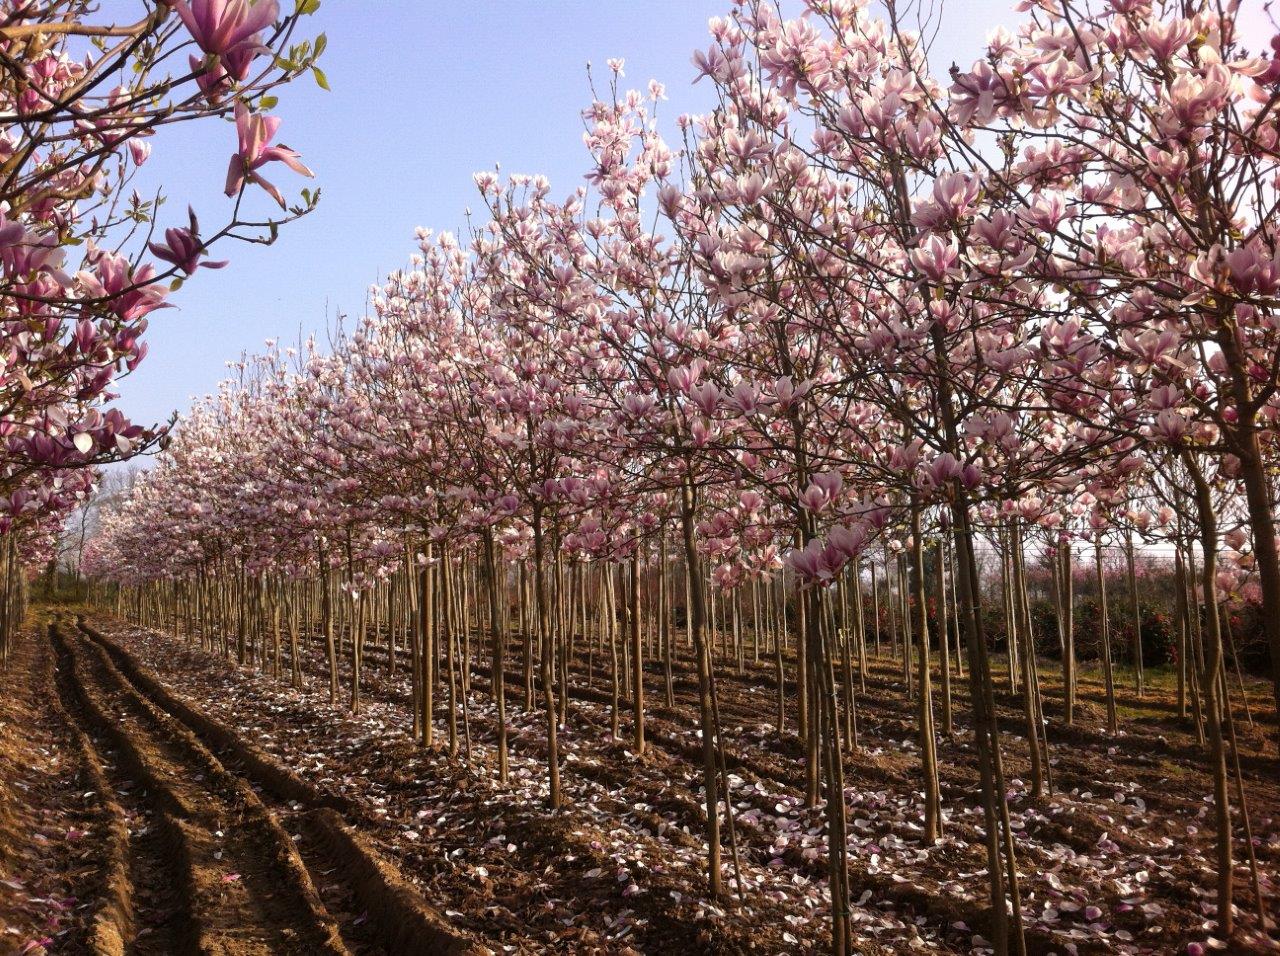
(218, 858)
(210, 869)
(1104, 871)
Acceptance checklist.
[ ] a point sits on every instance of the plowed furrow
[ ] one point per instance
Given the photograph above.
(239, 886)
(376, 911)
(158, 913)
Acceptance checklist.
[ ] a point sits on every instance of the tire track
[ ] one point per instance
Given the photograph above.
(156, 916)
(381, 913)
(113, 919)
(213, 872)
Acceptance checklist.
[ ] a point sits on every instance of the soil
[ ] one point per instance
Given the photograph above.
(183, 853)
(236, 814)
(50, 828)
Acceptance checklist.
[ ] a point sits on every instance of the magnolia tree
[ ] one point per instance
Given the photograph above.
(1141, 146)
(84, 258)
(865, 319)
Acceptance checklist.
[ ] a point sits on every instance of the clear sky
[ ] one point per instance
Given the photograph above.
(424, 93)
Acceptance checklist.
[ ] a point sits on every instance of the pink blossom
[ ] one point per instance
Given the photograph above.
(1170, 426)
(183, 247)
(1252, 270)
(935, 258)
(813, 498)
(255, 132)
(706, 397)
(1166, 37)
(228, 29)
(847, 541)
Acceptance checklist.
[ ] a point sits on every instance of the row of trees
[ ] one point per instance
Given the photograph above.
(83, 262)
(858, 311)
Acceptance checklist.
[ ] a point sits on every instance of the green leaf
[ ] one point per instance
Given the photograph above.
(268, 102)
(175, 285)
(321, 80)
(306, 7)
(322, 43)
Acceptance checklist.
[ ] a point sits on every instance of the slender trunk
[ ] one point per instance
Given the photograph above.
(637, 655)
(326, 601)
(546, 663)
(1104, 633)
(1001, 868)
(1021, 622)
(702, 658)
(944, 643)
(1209, 686)
(924, 715)
(1136, 651)
(498, 677)
(1069, 635)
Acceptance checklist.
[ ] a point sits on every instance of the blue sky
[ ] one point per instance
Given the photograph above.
(424, 93)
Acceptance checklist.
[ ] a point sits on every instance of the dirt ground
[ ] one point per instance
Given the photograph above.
(48, 828)
(158, 798)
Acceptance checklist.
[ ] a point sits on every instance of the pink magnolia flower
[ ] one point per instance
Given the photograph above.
(212, 80)
(1252, 270)
(935, 258)
(1166, 396)
(786, 391)
(745, 398)
(812, 498)
(938, 472)
(85, 337)
(228, 29)
(1164, 38)
(638, 406)
(1194, 100)
(706, 397)
(809, 562)
(1170, 425)
(956, 193)
(1227, 581)
(183, 247)
(848, 542)
(11, 233)
(128, 294)
(906, 457)
(684, 378)
(255, 132)
(830, 482)
(712, 63)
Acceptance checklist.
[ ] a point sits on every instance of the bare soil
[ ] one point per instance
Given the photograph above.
(1119, 859)
(259, 818)
(182, 853)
